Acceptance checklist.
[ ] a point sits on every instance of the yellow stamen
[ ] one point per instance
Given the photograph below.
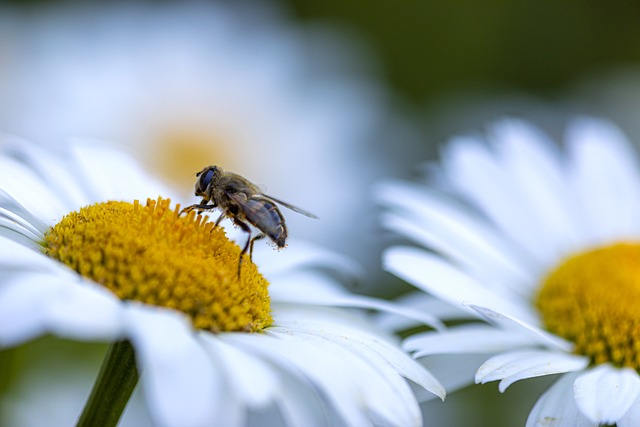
(593, 299)
(152, 255)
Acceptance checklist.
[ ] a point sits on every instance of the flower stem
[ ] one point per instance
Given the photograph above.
(116, 380)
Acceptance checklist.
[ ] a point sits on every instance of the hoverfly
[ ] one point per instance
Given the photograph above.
(242, 201)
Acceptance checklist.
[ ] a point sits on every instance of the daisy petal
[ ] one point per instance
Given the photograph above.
(362, 342)
(254, 383)
(34, 304)
(517, 365)
(112, 174)
(632, 417)
(323, 291)
(556, 409)
(423, 303)
(604, 394)
(531, 159)
(29, 190)
(605, 160)
(511, 323)
(180, 382)
(15, 256)
(438, 222)
(465, 339)
(475, 173)
(439, 278)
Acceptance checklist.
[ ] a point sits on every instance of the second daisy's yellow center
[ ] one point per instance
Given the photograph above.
(593, 299)
(153, 255)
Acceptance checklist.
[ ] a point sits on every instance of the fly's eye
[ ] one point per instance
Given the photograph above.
(204, 181)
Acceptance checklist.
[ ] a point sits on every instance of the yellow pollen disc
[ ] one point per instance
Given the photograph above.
(152, 255)
(593, 299)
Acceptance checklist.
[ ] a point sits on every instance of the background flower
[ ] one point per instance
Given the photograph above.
(513, 227)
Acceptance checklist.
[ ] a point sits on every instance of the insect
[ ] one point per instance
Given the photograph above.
(242, 201)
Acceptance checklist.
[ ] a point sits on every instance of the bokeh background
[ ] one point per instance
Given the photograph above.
(314, 101)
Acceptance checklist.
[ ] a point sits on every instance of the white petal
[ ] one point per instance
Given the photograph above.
(15, 256)
(181, 383)
(517, 365)
(465, 339)
(510, 323)
(317, 365)
(418, 301)
(439, 278)
(252, 380)
(34, 304)
(632, 417)
(308, 287)
(111, 174)
(606, 178)
(302, 254)
(475, 173)
(605, 394)
(54, 173)
(366, 344)
(446, 226)
(380, 389)
(30, 191)
(533, 161)
(557, 408)
(9, 203)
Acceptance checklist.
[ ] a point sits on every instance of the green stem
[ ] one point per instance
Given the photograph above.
(116, 380)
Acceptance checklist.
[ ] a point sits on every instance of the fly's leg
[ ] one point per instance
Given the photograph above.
(200, 206)
(245, 228)
(258, 237)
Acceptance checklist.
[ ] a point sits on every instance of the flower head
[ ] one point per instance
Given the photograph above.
(541, 243)
(88, 261)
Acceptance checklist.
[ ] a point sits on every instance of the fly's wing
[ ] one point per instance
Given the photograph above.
(293, 208)
(263, 214)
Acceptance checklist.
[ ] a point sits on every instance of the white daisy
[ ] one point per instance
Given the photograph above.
(541, 242)
(211, 348)
(236, 83)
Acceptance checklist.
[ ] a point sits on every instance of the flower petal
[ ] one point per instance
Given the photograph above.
(252, 380)
(110, 174)
(475, 338)
(360, 341)
(15, 256)
(632, 417)
(533, 162)
(475, 174)
(322, 290)
(439, 278)
(510, 323)
(603, 160)
(32, 304)
(556, 408)
(446, 226)
(605, 394)
(181, 382)
(517, 365)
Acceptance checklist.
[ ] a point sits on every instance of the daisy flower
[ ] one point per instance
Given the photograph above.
(540, 241)
(84, 259)
(238, 83)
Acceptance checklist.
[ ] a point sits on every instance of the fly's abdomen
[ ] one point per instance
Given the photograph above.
(264, 215)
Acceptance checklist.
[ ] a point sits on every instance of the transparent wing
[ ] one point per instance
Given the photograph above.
(293, 208)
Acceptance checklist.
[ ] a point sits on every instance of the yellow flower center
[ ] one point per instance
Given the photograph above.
(152, 255)
(593, 299)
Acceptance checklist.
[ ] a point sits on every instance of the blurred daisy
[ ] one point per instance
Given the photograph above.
(209, 345)
(193, 83)
(541, 242)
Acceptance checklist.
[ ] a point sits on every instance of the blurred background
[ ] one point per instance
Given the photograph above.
(314, 101)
